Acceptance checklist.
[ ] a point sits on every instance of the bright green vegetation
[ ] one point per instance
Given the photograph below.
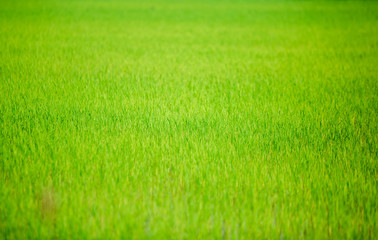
(182, 120)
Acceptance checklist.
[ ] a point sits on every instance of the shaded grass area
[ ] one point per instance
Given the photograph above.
(188, 119)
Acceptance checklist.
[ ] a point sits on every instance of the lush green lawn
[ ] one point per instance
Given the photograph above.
(182, 120)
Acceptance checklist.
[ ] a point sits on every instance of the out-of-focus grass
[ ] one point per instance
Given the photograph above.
(188, 119)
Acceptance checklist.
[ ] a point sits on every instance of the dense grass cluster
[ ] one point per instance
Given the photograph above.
(181, 119)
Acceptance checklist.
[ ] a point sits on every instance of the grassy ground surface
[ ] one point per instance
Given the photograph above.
(181, 120)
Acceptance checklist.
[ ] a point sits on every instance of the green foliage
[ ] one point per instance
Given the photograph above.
(181, 120)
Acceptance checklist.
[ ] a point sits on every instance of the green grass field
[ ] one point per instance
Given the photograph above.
(188, 119)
